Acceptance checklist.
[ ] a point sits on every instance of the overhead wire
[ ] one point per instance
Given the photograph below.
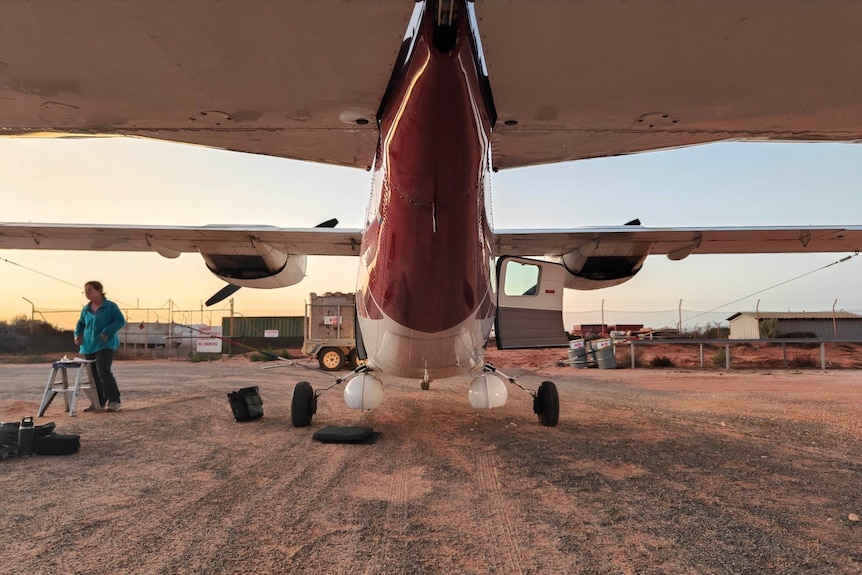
(76, 286)
(836, 262)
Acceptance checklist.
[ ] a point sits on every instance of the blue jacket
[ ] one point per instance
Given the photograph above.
(107, 320)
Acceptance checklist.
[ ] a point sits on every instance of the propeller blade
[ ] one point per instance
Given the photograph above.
(327, 224)
(221, 294)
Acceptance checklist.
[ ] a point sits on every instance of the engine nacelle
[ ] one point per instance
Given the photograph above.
(258, 265)
(595, 266)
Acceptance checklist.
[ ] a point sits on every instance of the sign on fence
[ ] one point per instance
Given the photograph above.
(206, 343)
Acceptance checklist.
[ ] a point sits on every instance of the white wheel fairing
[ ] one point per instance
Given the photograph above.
(363, 392)
(487, 391)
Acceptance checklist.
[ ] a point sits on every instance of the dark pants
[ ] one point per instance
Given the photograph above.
(106, 385)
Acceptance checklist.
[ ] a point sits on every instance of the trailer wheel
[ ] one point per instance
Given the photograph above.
(353, 358)
(330, 359)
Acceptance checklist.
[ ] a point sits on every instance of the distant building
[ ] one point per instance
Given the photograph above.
(817, 324)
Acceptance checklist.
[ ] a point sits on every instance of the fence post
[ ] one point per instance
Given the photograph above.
(727, 356)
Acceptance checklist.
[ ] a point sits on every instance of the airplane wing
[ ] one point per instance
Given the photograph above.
(304, 80)
(170, 241)
(600, 241)
(595, 78)
(677, 243)
(294, 79)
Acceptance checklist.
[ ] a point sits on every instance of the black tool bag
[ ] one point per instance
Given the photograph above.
(246, 404)
(58, 444)
(9, 432)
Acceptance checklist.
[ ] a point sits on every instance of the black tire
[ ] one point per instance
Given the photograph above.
(330, 359)
(354, 360)
(304, 404)
(546, 404)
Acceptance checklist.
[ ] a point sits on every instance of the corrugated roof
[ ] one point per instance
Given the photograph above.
(796, 315)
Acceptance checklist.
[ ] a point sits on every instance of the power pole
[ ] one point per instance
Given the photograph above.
(230, 347)
(33, 313)
(834, 322)
(603, 316)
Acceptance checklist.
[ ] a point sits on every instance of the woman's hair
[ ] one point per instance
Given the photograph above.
(96, 286)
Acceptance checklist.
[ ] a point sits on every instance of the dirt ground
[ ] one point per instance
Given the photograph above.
(673, 471)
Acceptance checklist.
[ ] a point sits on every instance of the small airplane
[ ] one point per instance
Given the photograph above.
(470, 88)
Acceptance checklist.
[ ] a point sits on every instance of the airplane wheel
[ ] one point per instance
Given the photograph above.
(425, 385)
(304, 404)
(331, 359)
(546, 404)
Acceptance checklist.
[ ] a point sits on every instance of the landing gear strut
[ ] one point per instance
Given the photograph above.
(546, 400)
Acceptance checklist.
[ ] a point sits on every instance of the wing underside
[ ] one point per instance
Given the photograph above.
(294, 79)
(598, 78)
(305, 80)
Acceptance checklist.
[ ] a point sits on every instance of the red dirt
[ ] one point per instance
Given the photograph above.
(649, 471)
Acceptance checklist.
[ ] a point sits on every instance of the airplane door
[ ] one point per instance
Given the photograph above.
(529, 304)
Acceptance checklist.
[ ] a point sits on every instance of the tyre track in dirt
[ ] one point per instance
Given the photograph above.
(507, 559)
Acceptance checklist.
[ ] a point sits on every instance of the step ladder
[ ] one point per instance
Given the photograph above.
(58, 382)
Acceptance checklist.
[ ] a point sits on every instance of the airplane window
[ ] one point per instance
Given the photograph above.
(521, 279)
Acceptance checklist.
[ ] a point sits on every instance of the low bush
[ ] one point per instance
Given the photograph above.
(661, 361)
(269, 355)
(197, 357)
(719, 359)
(803, 361)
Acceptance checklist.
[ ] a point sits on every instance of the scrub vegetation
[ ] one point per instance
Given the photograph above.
(24, 337)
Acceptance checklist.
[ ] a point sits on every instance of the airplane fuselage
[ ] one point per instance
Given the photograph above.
(424, 298)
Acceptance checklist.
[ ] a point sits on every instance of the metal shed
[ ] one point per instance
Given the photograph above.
(273, 332)
(818, 324)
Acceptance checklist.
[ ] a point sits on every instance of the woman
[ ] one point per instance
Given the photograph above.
(96, 333)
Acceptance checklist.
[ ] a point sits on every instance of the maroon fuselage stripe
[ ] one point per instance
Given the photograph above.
(427, 239)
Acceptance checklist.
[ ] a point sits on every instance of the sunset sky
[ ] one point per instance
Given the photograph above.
(123, 181)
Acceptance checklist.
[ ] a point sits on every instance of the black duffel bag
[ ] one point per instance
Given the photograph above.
(58, 444)
(246, 404)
